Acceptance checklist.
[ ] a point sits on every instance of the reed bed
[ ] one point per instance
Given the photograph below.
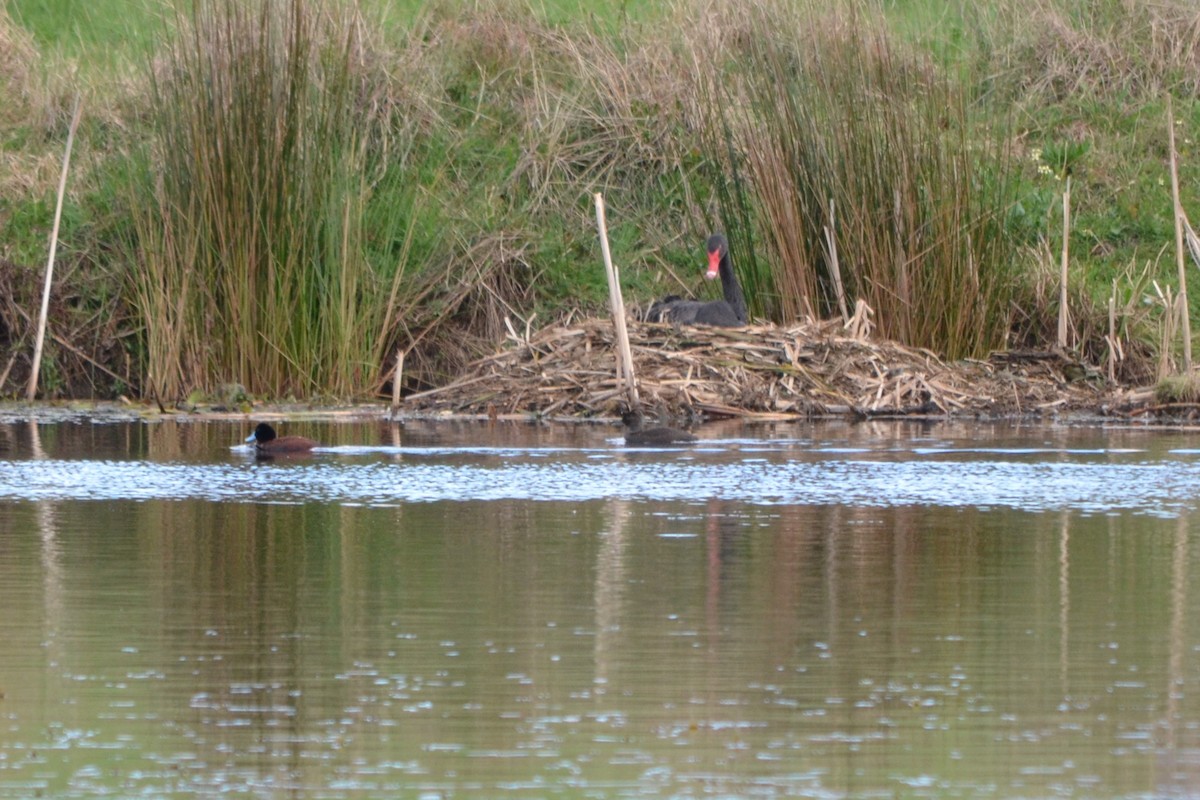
(802, 370)
(314, 200)
(850, 167)
(253, 266)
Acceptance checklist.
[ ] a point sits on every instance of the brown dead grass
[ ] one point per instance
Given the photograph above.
(17, 57)
(21, 172)
(1135, 49)
(87, 353)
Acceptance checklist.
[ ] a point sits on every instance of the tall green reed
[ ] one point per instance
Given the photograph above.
(253, 266)
(819, 121)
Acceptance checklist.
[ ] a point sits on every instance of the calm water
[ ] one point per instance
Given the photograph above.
(449, 611)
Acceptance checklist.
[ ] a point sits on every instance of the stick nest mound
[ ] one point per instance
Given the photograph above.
(806, 370)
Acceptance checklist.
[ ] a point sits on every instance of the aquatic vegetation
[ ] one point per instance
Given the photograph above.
(315, 186)
(860, 172)
(252, 263)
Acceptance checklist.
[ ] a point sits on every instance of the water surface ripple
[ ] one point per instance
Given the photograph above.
(1087, 481)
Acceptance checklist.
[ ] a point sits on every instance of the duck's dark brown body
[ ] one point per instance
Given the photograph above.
(266, 442)
(637, 435)
(660, 436)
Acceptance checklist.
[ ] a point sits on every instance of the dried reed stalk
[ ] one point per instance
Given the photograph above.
(834, 267)
(617, 307)
(1066, 249)
(1177, 206)
(1114, 344)
(396, 376)
(36, 366)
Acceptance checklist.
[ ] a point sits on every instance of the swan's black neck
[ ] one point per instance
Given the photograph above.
(730, 285)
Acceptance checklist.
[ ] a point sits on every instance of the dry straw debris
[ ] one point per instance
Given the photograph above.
(807, 370)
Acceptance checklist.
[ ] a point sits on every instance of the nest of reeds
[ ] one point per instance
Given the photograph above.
(805, 370)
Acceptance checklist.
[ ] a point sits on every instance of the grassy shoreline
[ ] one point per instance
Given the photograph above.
(929, 142)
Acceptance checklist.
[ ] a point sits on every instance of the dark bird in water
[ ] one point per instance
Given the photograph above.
(637, 435)
(266, 442)
(727, 313)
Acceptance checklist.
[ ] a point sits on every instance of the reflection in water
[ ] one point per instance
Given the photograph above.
(622, 646)
(1064, 601)
(443, 647)
(609, 588)
(50, 561)
(1177, 771)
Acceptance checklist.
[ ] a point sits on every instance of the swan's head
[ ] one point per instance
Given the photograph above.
(717, 248)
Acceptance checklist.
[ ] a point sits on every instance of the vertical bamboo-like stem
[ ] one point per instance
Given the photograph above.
(396, 379)
(903, 287)
(1066, 249)
(1112, 335)
(617, 305)
(1170, 319)
(1184, 322)
(834, 267)
(31, 391)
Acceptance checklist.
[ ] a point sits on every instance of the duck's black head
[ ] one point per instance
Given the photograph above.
(263, 433)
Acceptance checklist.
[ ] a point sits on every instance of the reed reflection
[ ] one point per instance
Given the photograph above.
(461, 647)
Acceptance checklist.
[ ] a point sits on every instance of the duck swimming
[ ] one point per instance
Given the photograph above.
(637, 435)
(266, 442)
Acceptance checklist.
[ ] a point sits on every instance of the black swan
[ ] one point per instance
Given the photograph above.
(727, 313)
(265, 441)
(637, 435)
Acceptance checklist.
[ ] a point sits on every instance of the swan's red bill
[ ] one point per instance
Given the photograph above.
(714, 263)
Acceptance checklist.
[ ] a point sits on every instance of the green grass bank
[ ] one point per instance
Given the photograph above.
(279, 195)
